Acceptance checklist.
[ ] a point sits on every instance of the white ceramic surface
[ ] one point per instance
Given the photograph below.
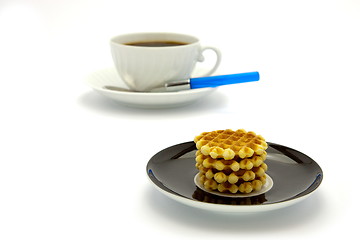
(109, 77)
(145, 68)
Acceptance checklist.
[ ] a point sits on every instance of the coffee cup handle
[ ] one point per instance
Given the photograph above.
(202, 59)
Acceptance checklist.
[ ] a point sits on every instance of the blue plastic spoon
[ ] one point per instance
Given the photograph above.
(202, 82)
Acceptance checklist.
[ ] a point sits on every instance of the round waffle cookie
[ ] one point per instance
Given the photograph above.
(241, 186)
(227, 144)
(234, 164)
(233, 176)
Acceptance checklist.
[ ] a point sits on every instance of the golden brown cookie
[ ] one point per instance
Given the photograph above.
(233, 176)
(234, 164)
(241, 186)
(227, 144)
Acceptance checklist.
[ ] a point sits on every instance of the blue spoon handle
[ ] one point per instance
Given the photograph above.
(215, 81)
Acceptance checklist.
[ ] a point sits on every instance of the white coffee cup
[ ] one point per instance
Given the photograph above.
(143, 68)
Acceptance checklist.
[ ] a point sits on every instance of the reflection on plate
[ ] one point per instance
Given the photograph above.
(295, 176)
(266, 187)
(109, 77)
(207, 197)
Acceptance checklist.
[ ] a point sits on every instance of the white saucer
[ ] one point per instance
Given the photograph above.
(265, 188)
(109, 77)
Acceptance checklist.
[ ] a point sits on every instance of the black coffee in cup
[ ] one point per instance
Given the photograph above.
(156, 44)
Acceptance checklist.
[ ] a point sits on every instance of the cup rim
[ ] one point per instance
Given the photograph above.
(153, 35)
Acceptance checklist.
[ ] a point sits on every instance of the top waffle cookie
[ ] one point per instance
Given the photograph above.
(227, 144)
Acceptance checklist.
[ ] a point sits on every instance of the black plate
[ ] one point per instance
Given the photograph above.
(295, 175)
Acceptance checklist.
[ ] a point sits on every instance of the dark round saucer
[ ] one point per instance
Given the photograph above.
(295, 176)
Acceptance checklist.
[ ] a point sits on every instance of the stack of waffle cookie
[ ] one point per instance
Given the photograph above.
(231, 161)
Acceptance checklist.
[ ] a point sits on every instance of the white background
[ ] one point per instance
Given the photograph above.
(72, 163)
